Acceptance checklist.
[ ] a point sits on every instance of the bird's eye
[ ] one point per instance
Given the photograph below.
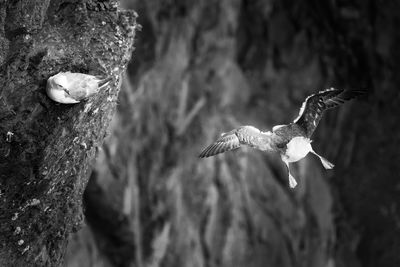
(281, 145)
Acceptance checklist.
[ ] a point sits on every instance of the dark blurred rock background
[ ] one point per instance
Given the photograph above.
(204, 67)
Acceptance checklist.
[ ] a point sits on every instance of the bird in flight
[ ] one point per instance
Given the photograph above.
(292, 141)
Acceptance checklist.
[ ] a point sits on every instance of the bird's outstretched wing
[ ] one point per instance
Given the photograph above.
(311, 111)
(244, 135)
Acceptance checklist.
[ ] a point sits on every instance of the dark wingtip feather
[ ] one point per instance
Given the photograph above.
(353, 94)
(208, 151)
(202, 155)
(360, 92)
(217, 148)
(345, 94)
(212, 150)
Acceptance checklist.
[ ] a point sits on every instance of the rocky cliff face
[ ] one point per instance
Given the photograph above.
(205, 67)
(46, 149)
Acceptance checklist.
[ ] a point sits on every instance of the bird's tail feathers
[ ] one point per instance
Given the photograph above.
(104, 82)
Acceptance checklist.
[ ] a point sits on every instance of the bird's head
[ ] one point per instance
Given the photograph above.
(58, 88)
(59, 81)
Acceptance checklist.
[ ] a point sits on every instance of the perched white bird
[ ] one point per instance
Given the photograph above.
(71, 88)
(292, 141)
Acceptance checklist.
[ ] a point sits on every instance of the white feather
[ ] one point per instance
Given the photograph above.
(297, 148)
(276, 127)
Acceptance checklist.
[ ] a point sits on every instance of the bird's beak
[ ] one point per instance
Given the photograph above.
(66, 90)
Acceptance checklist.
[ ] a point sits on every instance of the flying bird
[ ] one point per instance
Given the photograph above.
(292, 141)
(71, 88)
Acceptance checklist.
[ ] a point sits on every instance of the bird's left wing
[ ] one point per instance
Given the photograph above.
(245, 135)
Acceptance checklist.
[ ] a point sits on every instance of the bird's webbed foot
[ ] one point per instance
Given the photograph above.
(327, 165)
(292, 181)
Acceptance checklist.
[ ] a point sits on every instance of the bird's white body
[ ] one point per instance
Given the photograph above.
(297, 149)
(71, 88)
(60, 96)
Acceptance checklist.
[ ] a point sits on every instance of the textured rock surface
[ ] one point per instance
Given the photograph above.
(46, 149)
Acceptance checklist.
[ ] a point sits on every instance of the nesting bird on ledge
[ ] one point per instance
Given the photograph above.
(70, 88)
(292, 141)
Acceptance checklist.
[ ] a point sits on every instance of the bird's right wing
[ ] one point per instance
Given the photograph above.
(245, 135)
(77, 95)
(81, 85)
(313, 107)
